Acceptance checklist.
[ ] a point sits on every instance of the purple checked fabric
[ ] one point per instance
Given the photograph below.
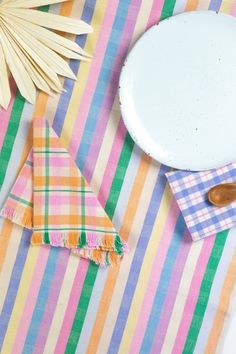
(190, 190)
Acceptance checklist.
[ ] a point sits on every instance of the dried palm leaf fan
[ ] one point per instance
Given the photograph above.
(31, 52)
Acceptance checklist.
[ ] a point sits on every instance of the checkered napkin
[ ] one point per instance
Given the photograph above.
(190, 190)
(52, 197)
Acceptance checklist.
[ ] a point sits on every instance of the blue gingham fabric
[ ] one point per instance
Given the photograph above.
(190, 190)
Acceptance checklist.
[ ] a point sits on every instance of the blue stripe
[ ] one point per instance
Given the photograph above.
(14, 283)
(103, 80)
(26, 236)
(41, 300)
(138, 259)
(162, 289)
(64, 101)
(215, 5)
(54, 253)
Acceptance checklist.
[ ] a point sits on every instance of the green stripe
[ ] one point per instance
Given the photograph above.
(82, 240)
(10, 135)
(44, 8)
(167, 9)
(50, 152)
(93, 269)
(204, 292)
(23, 201)
(119, 176)
(82, 308)
(64, 190)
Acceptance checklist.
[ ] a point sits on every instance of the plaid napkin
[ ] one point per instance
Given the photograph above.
(52, 197)
(190, 190)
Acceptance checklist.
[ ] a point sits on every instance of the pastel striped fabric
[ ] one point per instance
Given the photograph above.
(169, 294)
(52, 197)
(190, 190)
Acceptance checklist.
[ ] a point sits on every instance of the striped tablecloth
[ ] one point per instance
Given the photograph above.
(169, 294)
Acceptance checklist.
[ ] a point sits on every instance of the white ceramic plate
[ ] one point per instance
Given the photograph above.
(178, 91)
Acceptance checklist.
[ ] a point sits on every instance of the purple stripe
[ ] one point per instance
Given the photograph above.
(138, 259)
(171, 294)
(48, 310)
(215, 5)
(107, 85)
(50, 307)
(14, 283)
(64, 101)
(112, 88)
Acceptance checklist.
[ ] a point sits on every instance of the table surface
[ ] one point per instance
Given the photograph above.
(169, 293)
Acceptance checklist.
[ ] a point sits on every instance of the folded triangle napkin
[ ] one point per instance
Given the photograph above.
(51, 197)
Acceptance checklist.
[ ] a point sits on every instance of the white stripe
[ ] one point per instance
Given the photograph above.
(92, 309)
(127, 261)
(118, 216)
(62, 303)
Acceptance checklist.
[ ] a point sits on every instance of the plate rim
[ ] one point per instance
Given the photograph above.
(127, 122)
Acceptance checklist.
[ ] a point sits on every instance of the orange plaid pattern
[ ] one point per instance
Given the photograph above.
(52, 197)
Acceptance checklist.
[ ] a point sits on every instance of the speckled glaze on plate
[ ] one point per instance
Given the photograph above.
(178, 91)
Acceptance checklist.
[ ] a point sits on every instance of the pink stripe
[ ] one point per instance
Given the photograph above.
(112, 87)
(31, 300)
(171, 294)
(233, 10)
(5, 115)
(51, 302)
(112, 163)
(193, 295)
(71, 307)
(155, 274)
(155, 12)
(93, 76)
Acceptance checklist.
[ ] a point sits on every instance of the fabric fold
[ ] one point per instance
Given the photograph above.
(51, 197)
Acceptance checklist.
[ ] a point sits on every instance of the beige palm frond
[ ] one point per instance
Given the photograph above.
(32, 52)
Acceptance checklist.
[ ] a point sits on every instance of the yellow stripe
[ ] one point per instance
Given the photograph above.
(133, 202)
(101, 164)
(62, 303)
(226, 6)
(80, 84)
(146, 270)
(12, 252)
(20, 299)
(44, 105)
(134, 233)
(65, 138)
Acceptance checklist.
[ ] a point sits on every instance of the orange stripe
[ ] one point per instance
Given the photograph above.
(39, 142)
(39, 111)
(114, 271)
(223, 307)
(57, 181)
(72, 220)
(7, 226)
(5, 237)
(66, 9)
(191, 5)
